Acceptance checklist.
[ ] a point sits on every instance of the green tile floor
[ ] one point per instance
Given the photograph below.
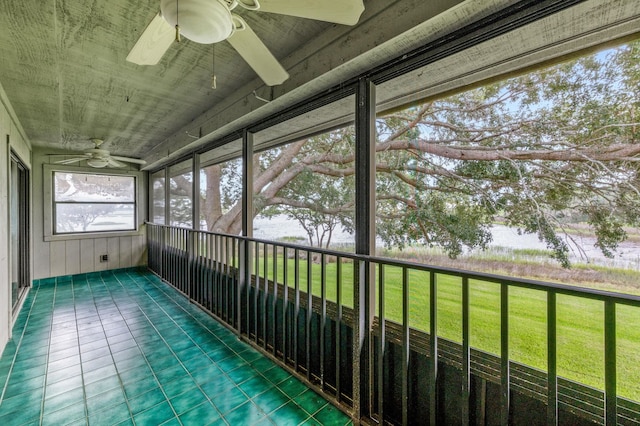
(121, 347)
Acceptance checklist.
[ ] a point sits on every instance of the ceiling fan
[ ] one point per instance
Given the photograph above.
(100, 158)
(212, 21)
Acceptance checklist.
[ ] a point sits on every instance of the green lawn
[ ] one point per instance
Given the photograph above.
(580, 327)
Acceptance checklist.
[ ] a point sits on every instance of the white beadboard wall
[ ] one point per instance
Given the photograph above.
(76, 256)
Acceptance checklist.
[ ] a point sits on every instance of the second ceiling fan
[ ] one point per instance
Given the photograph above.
(212, 21)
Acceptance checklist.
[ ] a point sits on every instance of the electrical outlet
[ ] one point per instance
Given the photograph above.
(104, 258)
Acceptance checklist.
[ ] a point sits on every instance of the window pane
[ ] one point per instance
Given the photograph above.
(220, 191)
(83, 187)
(157, 197)
(88, 217)
(180, 191)
(305, 190)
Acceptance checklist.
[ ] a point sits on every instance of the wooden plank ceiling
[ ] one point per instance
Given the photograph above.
(64, 71)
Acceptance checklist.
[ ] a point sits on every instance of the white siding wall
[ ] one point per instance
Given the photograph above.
(10, 129)
(79, 255)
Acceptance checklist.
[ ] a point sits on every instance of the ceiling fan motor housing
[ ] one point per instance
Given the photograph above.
(97, 163)
(98, 153)
(202, 21)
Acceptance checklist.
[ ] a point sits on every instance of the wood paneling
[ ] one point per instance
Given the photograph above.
(113, 249)
(100, 248)
(72, 257)
(5, 277)
(88, 258)
(139, 251)
(57, 258)
(41, 262)
(125, 252)
(11, 139)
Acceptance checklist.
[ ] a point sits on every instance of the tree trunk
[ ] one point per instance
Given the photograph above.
(212, 206)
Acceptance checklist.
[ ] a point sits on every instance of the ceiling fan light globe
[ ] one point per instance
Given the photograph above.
(202, 21)
(98, 163)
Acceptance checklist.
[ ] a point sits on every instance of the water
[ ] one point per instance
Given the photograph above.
(582, 249)
(281, 226)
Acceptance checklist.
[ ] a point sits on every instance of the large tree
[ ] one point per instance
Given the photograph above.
(538, 151)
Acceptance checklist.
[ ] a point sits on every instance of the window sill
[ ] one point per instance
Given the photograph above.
(93, 235)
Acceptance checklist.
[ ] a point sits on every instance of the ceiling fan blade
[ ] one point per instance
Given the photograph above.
(65, 154)
(128, 159)
(114, 163)
(346, 12)
(71, 160)
(256, 54)
(153, 42)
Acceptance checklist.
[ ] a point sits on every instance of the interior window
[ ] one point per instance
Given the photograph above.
(85, 202)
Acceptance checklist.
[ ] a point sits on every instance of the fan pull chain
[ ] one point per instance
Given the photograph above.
(213, 67)
(177, 26)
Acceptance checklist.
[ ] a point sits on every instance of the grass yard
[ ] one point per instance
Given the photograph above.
(580, 327)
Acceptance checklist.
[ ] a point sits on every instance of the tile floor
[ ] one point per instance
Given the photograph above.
(121, 347)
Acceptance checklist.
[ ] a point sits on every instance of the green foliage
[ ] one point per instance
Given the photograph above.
(608, 228)
(535, 151)
(181, 200)
(438, 220)
(231, 183)
(580, 107)
(319, 203)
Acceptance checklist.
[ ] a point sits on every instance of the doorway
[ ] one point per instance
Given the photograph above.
(19, 228)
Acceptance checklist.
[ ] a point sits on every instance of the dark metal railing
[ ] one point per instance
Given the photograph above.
(285, 299)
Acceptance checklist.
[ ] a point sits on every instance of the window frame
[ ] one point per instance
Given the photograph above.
(186, 166)
(50, 203)
(153, 176)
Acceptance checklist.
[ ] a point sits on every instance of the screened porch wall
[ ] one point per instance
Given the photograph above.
(300, 306)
